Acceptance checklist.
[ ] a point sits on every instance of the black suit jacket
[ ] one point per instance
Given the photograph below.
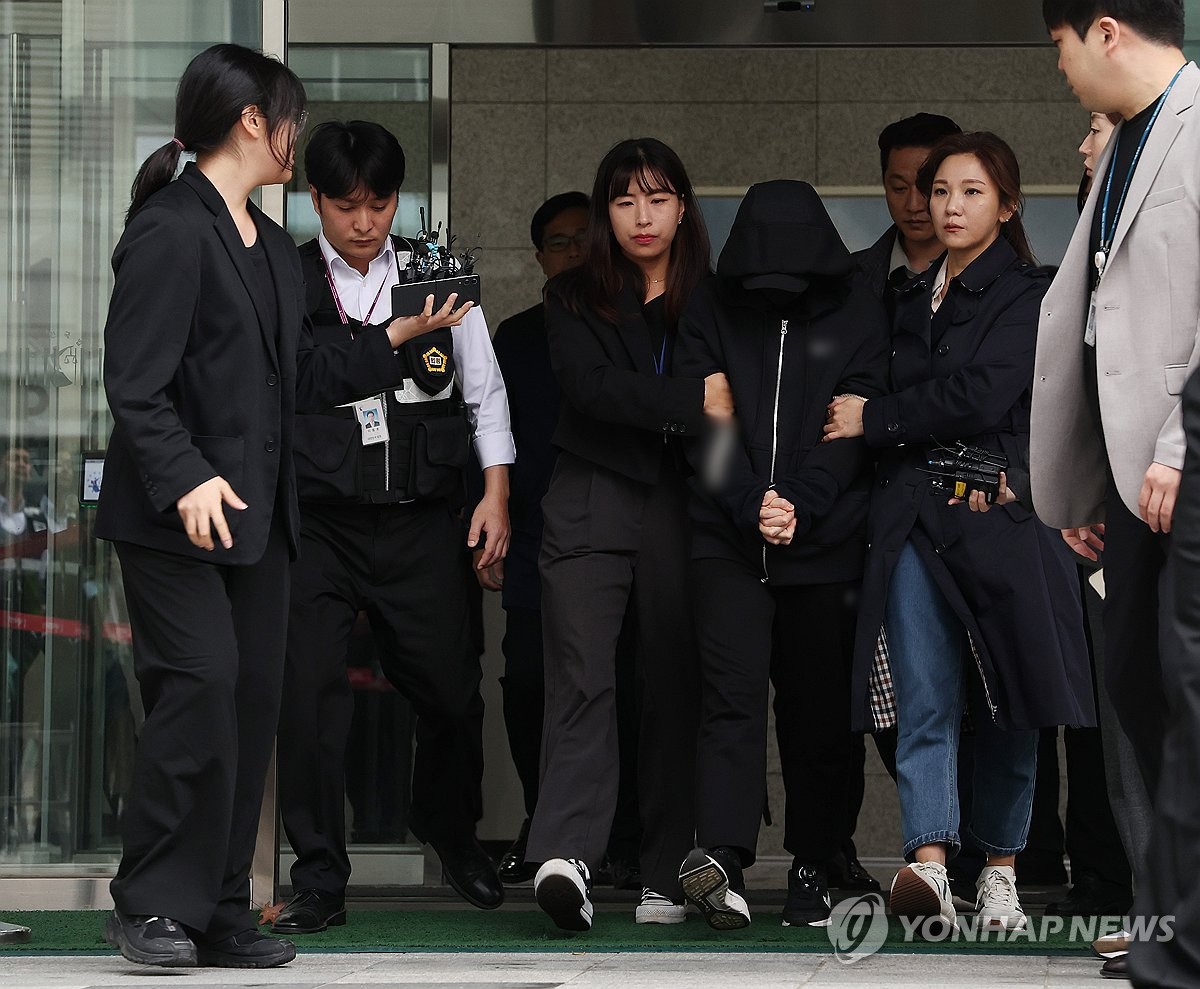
(616, 409)
(873, 262)
(196, 383)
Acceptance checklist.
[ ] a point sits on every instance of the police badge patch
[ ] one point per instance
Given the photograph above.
(435, 361)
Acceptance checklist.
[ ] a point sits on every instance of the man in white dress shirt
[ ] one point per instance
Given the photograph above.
(381, 492)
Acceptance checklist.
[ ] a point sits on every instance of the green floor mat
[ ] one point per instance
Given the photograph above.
(515, 930)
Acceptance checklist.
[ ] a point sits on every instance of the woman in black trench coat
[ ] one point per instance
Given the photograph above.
(616, 534)
(778, 539)
(964, 610)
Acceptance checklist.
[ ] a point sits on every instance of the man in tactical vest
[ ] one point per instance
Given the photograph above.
(381, 492)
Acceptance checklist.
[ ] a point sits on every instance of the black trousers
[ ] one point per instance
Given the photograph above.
(1090, 834)
(1169, 886)
(524, 692)
(403, 566)
(1139, 631)
(613, 545)
(801, 639)
(208, 655)
(885, 745)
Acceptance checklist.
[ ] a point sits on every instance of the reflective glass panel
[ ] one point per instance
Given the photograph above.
(383, 84)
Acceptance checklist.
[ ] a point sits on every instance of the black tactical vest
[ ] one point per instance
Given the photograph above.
(428, 443)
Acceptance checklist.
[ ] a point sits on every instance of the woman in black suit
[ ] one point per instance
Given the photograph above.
(615, 537)
(207, 357)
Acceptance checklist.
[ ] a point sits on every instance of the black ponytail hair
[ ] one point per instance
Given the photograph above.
(214, 90)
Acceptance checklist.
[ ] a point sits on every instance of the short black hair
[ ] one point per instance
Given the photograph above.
(343, 157)
(1159, 21)
(922, 130)
(545, 214)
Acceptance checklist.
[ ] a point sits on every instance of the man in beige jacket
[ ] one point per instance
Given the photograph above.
(1117, 340)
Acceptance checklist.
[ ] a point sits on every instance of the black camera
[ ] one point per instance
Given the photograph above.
(961, 469)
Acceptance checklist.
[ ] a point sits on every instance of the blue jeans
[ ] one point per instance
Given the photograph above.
(935, 675)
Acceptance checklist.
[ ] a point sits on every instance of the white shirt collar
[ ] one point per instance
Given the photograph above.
(339, 266)
(898, 259)
(938, 282)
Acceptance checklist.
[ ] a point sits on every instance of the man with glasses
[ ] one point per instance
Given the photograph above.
(558, 229)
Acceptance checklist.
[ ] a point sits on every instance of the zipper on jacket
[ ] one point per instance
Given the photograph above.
(783, 328)
(387, 452)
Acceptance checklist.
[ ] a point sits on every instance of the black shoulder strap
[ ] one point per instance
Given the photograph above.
(313, 266)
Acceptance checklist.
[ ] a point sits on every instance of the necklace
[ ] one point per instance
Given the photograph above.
(656, 281)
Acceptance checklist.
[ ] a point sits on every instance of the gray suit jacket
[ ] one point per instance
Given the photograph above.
(1147, 329)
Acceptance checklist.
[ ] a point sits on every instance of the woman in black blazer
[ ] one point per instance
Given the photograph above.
(981, 609)
(207, 357)
(615, 537)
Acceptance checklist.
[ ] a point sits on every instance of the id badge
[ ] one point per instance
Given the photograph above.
(1089, 334)
(371, 421)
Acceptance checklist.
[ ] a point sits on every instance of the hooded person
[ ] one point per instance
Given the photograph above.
(778, 540)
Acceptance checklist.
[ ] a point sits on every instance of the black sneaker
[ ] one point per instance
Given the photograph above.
(150, 940)
(808, 897)
(246, 949)
(711, 881)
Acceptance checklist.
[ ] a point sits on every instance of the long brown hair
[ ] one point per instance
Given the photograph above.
(606, 271)
(1000, 163)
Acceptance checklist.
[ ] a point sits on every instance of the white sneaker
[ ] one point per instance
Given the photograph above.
(1112, 946)
(706, 885)
(922, 890)
(996, 900)
(562, 888)
(655, 908)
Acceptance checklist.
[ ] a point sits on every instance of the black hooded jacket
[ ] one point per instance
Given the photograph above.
(789, 325)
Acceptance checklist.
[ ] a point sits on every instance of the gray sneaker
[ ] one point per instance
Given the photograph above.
(996, 900)
(922, 890)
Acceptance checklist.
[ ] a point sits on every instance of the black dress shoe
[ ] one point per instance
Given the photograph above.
(1092, 897)
(1037, 867)
(845, 871)
(246, 949)
(626, 875)
(513, 867)
(150, 940)
(1115, 968)
(468, 870)
(310, 911)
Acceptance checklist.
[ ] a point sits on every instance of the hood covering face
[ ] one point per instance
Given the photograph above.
(783, 239)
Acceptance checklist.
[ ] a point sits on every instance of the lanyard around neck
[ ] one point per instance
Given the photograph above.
(660, 361)
(337, 299)
(1108, 231)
